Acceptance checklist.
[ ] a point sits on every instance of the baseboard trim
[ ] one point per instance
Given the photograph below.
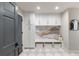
(74, 51)
(71, 51)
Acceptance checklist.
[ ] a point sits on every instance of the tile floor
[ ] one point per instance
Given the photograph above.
(48, 50)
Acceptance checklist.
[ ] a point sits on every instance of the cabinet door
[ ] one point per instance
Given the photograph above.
(52, 20)
(58, 20)
(43, 20)
(37, 20)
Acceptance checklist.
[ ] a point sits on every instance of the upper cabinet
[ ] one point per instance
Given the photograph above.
(45, 19)
(52, 20)
(58, 20)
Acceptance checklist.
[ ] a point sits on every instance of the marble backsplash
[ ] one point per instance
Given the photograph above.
(48, 31)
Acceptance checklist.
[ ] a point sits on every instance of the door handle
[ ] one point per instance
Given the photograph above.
(21, 32)
(16, 44)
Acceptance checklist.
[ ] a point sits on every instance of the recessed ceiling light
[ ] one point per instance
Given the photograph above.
(38, 7)
(56, 8)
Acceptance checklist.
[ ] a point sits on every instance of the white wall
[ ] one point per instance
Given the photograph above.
(70, 38)
(65, 29)
(74, 35)
(25, 30)
(19, 11)
(28, 41)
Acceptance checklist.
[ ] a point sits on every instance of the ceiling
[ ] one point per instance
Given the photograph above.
(46, 7)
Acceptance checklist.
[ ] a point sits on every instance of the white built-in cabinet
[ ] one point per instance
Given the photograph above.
(37, 20)
(47, 20)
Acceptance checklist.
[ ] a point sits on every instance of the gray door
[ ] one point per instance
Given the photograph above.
(9, 9)
(20, 29)
(7, 44)
(7, 38)
(1, 34)
(20, 33)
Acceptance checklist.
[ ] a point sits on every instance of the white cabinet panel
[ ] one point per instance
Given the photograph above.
(47, 19)
(43, 20)
(58, 20)
(37, 20)
(52, 20)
